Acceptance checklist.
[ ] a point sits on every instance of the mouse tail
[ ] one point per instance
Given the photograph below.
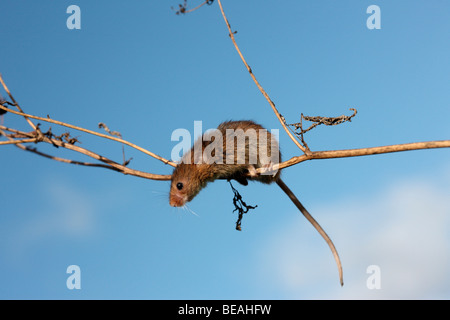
(316, 225)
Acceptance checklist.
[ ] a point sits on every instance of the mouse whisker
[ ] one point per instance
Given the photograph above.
(190, 210)
(159, 192)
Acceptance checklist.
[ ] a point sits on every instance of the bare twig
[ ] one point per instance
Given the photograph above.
(64, 140)
(15, 102)
(117, 134)
(272, 104)
(182, 8)
(317, 121)
(328, 121)
(200, 5)
(17, 141)
(332, 154)
(93, 133)
(309, 155)
(108, 163)
(59, 159)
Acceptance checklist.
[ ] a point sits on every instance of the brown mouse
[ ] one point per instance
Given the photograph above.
(234, 151)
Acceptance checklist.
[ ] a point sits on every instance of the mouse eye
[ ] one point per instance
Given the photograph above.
(179, 186)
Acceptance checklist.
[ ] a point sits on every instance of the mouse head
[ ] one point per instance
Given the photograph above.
(187, 181)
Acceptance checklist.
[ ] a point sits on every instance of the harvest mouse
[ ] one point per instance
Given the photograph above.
(234, 151)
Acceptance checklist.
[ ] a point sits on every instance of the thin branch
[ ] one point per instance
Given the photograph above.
(17, 141)
(15, 102)
(182, 8)
(19, 134)
(116, 167)
(93, 133)
(109, 164)
(197, 7)
(328, 121)
(317, 121)
(87, 164)
(309, 155)
(332, 154)
(272, 104)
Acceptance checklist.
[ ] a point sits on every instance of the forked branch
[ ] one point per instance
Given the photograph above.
(67, 125)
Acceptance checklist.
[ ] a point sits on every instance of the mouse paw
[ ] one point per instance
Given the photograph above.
(268, 170)
(252, 171)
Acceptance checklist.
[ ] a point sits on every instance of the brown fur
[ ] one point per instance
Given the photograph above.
(194, 175)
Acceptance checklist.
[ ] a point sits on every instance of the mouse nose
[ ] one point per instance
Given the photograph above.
(172, 203)
(176, 201)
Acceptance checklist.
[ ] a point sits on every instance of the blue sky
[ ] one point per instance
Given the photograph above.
(145, 72)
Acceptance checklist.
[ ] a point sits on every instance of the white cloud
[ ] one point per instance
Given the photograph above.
(67, 214)
(404, 229)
